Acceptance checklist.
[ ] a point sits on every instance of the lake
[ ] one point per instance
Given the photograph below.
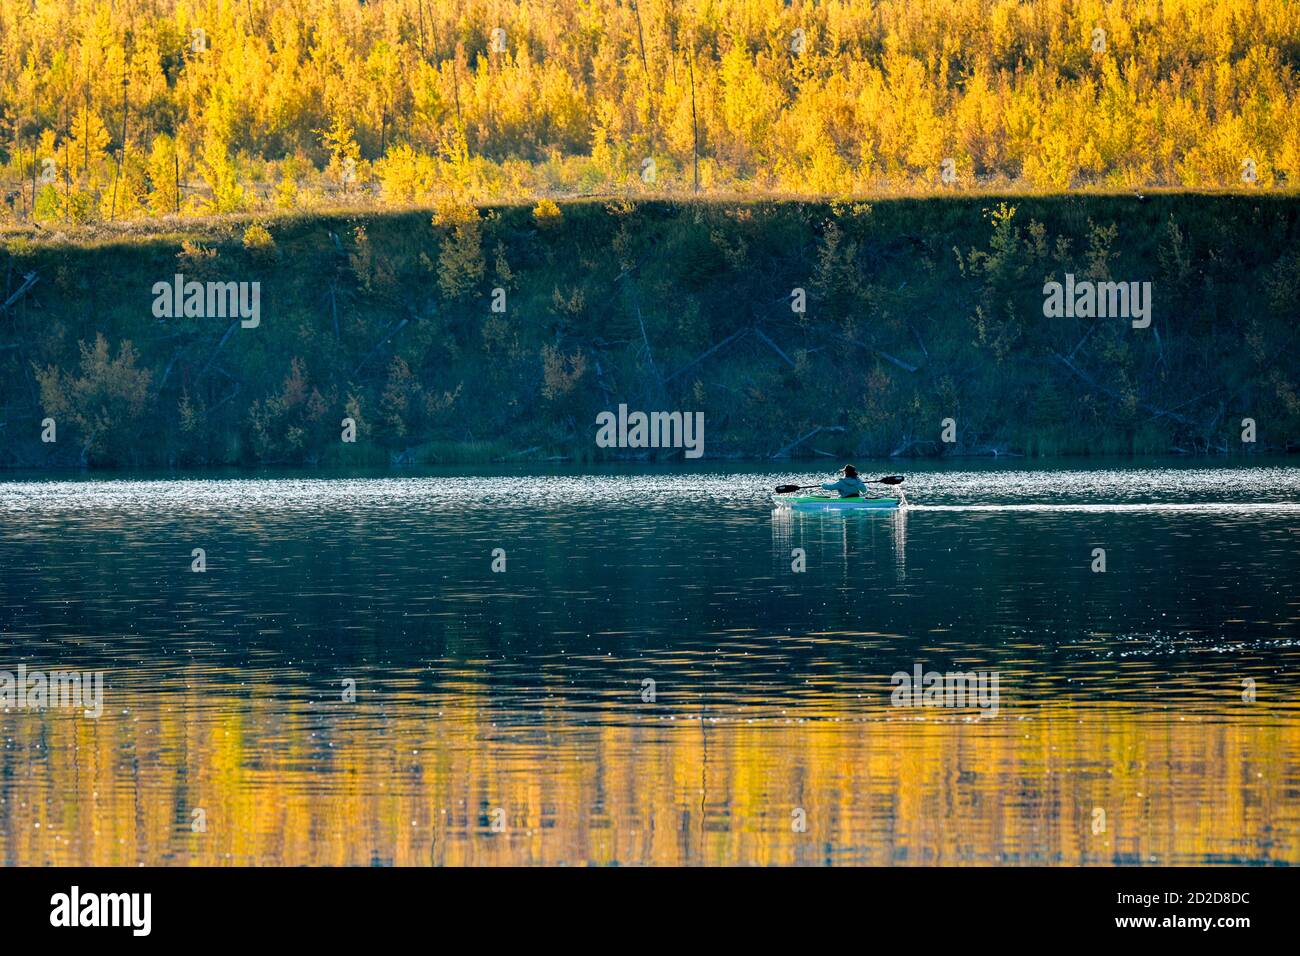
(648, 680)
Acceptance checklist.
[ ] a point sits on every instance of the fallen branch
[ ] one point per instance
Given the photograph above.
(518, 454)
(905, 366)
(213, 408)
(908, 444)
(168, 370)
(919, 341)
(774, 347)
(600, 377)
(636, 304)
(1145, 406)
(1079, 344)
(212, 358)
(29, 280)
(785, 452)
(700, 358)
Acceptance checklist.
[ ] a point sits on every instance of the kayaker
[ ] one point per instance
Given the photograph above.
(850, 486)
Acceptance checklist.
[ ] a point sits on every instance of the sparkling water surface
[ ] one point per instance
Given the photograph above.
(503, 717)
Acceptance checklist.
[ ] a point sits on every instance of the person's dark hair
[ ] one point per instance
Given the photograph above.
(850, 471)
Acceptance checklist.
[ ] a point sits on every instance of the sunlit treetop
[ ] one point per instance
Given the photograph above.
(121, 110)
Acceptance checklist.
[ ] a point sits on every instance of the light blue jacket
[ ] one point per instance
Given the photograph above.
(848, 487)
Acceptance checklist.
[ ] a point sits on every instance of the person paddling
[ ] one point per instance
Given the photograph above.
(850, 486)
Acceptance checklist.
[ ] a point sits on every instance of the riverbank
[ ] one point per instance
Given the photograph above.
(900, 327)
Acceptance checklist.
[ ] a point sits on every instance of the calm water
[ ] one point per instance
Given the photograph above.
(499, 717)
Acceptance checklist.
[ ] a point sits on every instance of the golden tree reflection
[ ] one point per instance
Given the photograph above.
(290, 782)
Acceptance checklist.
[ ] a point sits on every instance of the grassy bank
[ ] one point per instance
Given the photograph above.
(474, 335)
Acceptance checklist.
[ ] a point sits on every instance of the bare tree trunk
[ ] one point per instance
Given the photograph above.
(18, 140)
(121, 156)
(67, 186)
(85, 124)
(695, 126)
(34, 179)
(421, 6)
(455, 88)
(645, 65)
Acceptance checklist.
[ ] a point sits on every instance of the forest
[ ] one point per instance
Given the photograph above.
(901, 326)
(118, 111)
(469, 227)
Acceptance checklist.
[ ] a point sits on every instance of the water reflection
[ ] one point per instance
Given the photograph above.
(523, 692)
(833, 536)
(289, 782)
(900, 545)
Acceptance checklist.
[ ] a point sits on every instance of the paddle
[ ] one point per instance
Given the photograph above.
(887, 480)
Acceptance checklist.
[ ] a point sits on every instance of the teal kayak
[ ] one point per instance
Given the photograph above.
(826, 502)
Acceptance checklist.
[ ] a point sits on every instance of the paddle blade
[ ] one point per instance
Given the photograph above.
(891, 480)
(786, 489)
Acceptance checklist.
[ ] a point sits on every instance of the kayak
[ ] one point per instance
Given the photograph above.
(826, 502)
